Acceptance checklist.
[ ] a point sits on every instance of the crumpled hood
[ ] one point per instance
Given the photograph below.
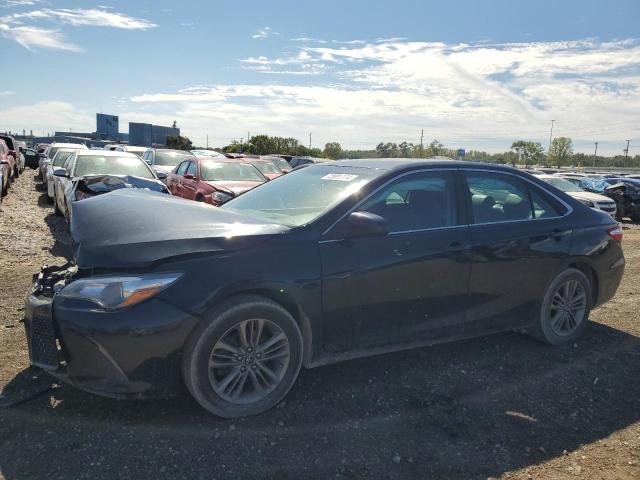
(134, 228)
(98, 184)
(233, 186)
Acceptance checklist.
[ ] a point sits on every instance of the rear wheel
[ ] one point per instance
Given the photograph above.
(565, 309)
(244, 358)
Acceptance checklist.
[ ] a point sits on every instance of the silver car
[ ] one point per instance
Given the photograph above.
(56, 162)
(50, 152)
(86, 163)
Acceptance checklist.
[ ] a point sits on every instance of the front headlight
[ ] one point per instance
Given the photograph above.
(112, 293)
(588, 203)
(219, 197)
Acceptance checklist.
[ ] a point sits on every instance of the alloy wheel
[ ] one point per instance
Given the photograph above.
(568, 307)
(249, 361)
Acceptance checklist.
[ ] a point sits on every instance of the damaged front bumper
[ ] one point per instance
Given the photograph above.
(130, 353)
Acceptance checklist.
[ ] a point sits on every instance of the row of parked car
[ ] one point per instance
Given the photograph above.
(12, 162)
(70, 172)
(618, 194)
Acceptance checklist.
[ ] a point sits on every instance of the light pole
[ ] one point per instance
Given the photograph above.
(595, 155)
(551, 134)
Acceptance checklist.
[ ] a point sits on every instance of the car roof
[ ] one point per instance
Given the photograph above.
(391, 164)
(225, 159)
(108, 153)
(68, 145)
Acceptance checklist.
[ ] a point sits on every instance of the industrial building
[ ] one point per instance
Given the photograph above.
(107, 126)
(150, 135)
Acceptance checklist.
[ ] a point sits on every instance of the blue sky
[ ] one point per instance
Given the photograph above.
(472, 74)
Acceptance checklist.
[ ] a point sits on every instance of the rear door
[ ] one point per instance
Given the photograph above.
(519, 239)
(409, 285)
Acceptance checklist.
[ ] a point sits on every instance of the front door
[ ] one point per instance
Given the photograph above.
(408, 285)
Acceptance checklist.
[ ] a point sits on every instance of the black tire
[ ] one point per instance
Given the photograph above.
(199, 198)
(216, 326)
(544, 329)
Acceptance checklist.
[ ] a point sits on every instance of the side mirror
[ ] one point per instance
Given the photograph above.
(188, 176)
(365, 224)
(60, 172)
(161, 175)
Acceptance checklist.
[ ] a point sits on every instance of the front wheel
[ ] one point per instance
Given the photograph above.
(565, 308)
(244, 358)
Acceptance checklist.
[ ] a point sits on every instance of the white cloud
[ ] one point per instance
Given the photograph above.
(263, 33)
(43, 117)
(94, 17)
(6, 93)
(482, 95)
(20, 27)
(34, 37)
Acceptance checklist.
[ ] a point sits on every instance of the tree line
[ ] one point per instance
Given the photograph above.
(522, 152)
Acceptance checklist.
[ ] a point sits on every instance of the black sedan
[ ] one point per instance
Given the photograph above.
(331, 262)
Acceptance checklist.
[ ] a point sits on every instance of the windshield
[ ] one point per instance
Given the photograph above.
(302, 196)
(229, 171)
(564, 185)
(60, 157)
(170, 158)
(281, 163)
(54, 150)
(268, 167)
(108, 165)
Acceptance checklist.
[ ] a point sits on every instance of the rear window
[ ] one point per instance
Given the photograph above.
(109, 165)
(212, 171)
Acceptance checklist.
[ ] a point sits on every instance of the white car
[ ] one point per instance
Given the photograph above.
(51, 151)
(208, 153)
(165, 160)
(56, 162)
(139, 151)
(593, 200)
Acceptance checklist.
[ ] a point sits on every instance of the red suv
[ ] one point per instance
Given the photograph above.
(213, 180)
(7, 167)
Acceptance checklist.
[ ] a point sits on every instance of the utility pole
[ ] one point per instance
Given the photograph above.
(595, 155)
(421, 145)
(626, 152)
(207, 141)
(551, 134)
(309, 140)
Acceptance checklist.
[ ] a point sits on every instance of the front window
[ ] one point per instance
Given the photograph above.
(111, 165)
(301, 196)
(229, 171)
(416, 202)
(170, 158)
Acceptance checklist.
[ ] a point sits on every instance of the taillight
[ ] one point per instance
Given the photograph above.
(616, 233)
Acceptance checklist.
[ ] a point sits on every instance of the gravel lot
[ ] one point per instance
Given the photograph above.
(500, 406)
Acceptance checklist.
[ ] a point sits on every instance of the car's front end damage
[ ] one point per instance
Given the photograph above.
(99, 349)
(115, 321)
